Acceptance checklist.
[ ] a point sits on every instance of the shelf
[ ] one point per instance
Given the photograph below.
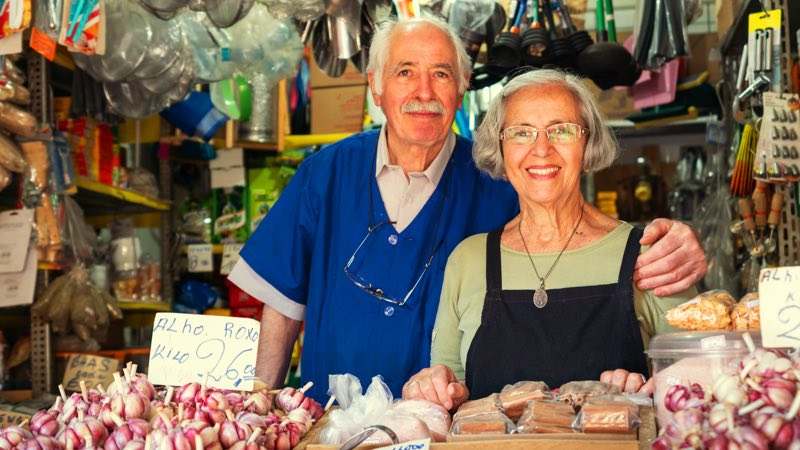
(99, 198)
(216, 249)
(310, 140)
(250, 145)
(143, 306)
(684, 133)
(116, 354)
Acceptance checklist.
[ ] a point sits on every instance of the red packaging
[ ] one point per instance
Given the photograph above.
(251, 312)
(238, 298)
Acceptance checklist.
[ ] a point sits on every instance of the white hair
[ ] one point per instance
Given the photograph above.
(381, 40)
(601, 147)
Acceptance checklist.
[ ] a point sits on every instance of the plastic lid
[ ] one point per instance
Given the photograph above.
(700, 342)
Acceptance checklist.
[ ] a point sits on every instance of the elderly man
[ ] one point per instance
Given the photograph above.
(356, 245)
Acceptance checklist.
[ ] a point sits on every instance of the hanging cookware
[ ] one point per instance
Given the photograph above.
(468, 18)
(535, 40)
(224, 13)
(323, 49)
(505, 53)
(579, 39)
(607, 63)
(561, 51)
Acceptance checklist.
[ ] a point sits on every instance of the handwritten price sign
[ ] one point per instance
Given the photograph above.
(779, 295)
(218, 351)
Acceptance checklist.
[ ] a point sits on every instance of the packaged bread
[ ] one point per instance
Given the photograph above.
(546, 416)
(483, 423)
(17, 121)
(11, 156)
(514, 397)
(576, 393)
(708, 311)
(604, 416)
(5, 178)
(486, 405)
(745, 315)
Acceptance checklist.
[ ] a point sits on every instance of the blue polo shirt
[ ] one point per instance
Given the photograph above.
(299, 252)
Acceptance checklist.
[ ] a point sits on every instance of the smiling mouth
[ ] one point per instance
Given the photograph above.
(543, 172)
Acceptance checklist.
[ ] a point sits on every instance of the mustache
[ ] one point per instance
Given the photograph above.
(415, 106)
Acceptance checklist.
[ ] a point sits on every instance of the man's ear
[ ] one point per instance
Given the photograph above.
(376, 98)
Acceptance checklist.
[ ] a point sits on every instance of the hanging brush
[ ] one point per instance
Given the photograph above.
(742, 181)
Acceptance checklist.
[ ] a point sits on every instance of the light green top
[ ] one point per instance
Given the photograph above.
(464, 289)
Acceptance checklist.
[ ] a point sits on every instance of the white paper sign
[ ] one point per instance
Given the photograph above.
(15, 235)
(227, 169)
(230, 255)
(218, 351)
(11, 45)
(420, 444)
(779, 295)
(17, 288)
(201, 257)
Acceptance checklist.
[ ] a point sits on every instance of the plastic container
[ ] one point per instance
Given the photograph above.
(693, 357)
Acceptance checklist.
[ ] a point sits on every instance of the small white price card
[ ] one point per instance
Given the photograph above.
(18, 288)
(779, 295)
(15, 235)
(420, 444)
(217, 351)
(201, 257)
(230, 255)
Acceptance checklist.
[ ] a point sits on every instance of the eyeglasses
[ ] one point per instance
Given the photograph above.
(559, 133)
(375, 291)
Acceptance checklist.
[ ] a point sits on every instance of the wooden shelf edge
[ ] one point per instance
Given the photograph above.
(143, 306)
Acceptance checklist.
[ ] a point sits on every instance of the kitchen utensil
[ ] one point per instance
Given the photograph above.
(505, 52)
(468, 18)
(607, 63)
(224, 13)
(579, 39)
(561, 51)
(130, 99)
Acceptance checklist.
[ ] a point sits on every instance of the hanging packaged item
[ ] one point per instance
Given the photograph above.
(15, 16)
(196, 116)
(778, 149)
(83, 24)
(17, 121)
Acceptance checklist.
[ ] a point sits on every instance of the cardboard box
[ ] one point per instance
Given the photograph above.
(350, 77)
(337, 109)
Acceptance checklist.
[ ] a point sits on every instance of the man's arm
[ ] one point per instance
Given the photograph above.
(276, 340)
(674, 263)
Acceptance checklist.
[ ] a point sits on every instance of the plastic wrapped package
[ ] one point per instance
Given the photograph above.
(302, 10)
(482, 423)
(142, 180)
(17, 121)
(14, 93)
(5, 178)
(605, 416)
(63, 171)
(514, 397)
(11, 156)
(710, 310)
(746, 313)
(406, 426)
(576, 393)
(488, 404)
(435, 416)
(12, 72)
(357, 410)
(48, 231)
(35, 154)
(78, 235)
(546, 416)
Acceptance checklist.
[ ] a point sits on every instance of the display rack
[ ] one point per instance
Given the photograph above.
(105, 203)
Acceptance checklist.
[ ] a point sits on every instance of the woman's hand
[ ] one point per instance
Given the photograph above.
(437, 384)
(628, 381)
(674, 262)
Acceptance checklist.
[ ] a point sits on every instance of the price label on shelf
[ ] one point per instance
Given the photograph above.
(779, 295)
(217, 351)
(15, 234)
(201, 257)
(91, 369)
(230, 255)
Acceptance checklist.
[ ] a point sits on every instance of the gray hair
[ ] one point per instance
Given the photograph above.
(601, 148)
(379, 50)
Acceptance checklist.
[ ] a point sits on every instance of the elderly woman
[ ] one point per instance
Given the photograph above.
(550, 296)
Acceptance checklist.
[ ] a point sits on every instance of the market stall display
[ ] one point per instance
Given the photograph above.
(132, 414)
(717, 310)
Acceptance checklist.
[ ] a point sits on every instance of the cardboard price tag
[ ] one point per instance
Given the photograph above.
(230, 255)
(12, 418)
(779, 294)
(18, 288)
(217, 351)
(92, 369)
(43, 44)
(201, 257)
(15, 234)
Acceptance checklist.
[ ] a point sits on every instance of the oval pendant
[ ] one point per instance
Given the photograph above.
(539, 298)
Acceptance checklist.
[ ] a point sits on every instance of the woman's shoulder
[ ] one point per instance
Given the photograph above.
(470, 247)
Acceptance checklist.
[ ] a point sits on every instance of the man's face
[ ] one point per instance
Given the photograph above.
(420, 89)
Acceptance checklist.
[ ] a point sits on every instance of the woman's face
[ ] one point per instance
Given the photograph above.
(543, 172)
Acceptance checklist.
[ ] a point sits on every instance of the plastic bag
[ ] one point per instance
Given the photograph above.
(746, 314)
(603, 416)
(708, 311)
(406, 426)
(546, 416)
(78, 235)
(142, 180)
(35, 153)
(17, 121)
(489, 404)
(14, 93)
(514, 397)
(435, 416)
(357, 411)
(11, 156)
(577, 392)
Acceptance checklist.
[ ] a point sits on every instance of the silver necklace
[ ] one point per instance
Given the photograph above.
(540, 294)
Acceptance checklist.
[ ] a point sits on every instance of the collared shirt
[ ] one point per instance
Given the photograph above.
(294, 261)
(404, 196)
